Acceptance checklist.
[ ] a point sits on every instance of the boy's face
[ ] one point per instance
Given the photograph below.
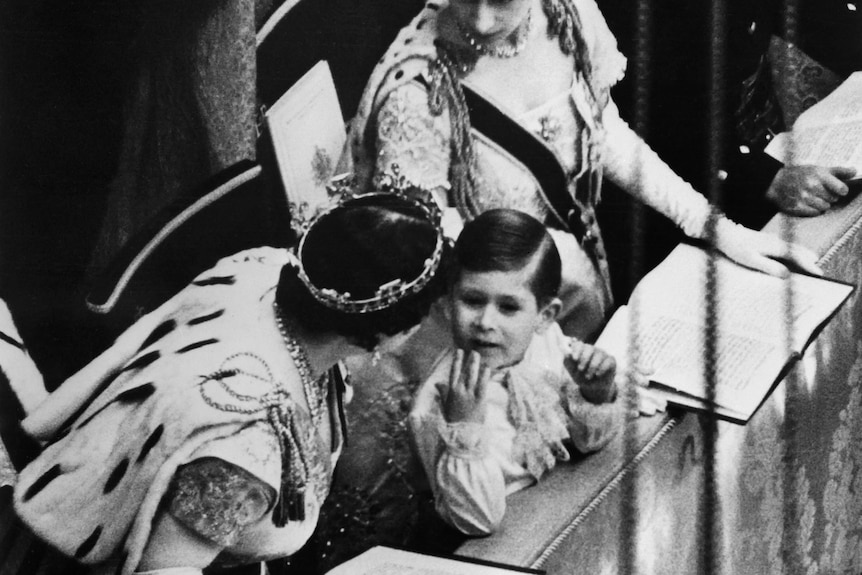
(496, 314)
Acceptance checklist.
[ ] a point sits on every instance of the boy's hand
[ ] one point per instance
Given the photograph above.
(644, 400)
(594, 371)
(463, 400)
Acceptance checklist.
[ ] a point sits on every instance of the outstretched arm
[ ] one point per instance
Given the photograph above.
(634, 166)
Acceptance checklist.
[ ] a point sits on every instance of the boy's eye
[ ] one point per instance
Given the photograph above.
(472, 300)
(509, 308)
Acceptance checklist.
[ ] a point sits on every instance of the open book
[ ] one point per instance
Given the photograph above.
(754, 345)
(306, 132)
(382, 560)
(828, 133)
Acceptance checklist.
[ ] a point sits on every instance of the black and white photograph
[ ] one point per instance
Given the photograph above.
(430, 287)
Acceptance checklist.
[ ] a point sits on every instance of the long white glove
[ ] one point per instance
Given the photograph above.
(763, 251)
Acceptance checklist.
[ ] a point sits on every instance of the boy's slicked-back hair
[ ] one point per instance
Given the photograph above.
(508, 240)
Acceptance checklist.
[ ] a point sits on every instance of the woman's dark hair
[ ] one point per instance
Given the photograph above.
(507, 240)
(359, 246)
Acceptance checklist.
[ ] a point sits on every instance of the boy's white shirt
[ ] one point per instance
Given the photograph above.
(472, 467)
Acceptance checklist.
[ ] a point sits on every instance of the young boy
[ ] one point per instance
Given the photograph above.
(509, 394)
(484, 429)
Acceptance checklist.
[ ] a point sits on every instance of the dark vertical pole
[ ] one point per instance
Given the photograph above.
(629, 510)
(710, 536)
(791, 542)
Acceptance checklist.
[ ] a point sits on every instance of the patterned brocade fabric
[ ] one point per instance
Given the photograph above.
(408, 135)
(216, 499)
(800, 81)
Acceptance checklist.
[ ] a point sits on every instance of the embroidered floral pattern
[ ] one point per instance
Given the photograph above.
(826, 534)
(216, 499)
(800, 81)
(408, 135)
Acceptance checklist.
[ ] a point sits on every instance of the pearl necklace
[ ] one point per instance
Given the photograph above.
(509, 47)
(313, 398)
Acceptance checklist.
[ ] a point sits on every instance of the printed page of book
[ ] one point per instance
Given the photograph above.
(673, 348)
(827, 134)
(308, 136)
(389, 561)
(753, 344)
(842, 105)
(835, 145)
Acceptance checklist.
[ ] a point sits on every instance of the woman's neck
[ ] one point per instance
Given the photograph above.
(323, 349)
(541, 71)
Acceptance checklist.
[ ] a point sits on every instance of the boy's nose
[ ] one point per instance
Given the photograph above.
(485, 318)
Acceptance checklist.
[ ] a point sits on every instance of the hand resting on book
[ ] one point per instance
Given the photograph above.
(763, 251)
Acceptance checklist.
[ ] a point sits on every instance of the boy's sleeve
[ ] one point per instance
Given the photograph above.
(590, 426)
(468, 484)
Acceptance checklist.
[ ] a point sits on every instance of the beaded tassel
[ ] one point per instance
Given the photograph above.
(290, 505)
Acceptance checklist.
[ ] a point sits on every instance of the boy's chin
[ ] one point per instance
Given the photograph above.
(495, 359)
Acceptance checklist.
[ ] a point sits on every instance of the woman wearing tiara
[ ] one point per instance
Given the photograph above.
(506, 104)
(208, 432)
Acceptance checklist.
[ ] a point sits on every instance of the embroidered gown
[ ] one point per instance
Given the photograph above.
(197, 409)
(397, 123)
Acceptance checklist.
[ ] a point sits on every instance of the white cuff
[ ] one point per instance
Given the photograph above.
(464, 439)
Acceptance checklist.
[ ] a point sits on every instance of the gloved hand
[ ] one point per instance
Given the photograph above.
(762, 251)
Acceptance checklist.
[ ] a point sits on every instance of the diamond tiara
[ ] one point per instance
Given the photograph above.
(392, 291)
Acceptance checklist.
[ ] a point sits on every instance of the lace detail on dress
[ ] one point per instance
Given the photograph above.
(410, 136)
(216, 499)
(608, 65)
(535, 411)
